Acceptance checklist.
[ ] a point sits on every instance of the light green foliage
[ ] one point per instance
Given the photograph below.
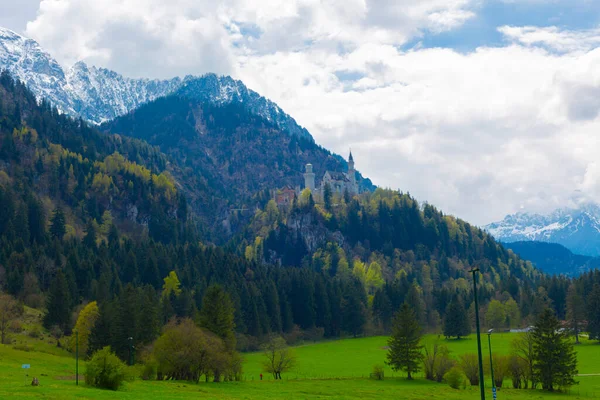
(456, 378)
(105, 370)
(374, 277)
(85, 323)
(171, 284)
(278, 357)
(305, 197)
(495, 315)
(371, 276)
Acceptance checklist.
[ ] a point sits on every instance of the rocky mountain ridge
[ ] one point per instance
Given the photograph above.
(98, 95)
(578, 229)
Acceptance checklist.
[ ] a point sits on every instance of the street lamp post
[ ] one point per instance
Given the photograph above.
(130, 349)
(77, 358)
(491, 362)
(481, 386)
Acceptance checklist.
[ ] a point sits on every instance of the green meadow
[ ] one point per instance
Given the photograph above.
(332, 370)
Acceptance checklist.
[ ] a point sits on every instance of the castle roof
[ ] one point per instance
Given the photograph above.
(338, 176)
(350, 158)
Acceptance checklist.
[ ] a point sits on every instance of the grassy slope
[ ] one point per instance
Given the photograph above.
(333, 370)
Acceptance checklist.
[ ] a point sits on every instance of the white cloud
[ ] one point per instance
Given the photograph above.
(553, 37)
(478, 134)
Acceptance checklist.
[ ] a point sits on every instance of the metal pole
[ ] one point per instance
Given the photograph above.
(77, 358)
(481, 384)
(130, 345)
(491, 362)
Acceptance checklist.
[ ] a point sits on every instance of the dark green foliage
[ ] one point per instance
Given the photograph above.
(58, 304)
(57, 224)
(555, 360)
(216, 314)
(105, 370)
(456, 322)
(354, 310)
(593, 312)
(575, 312)
(405, 348)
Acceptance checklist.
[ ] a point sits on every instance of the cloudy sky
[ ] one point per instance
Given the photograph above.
(481, 107)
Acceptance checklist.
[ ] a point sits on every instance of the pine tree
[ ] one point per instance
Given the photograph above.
(575, 311)
(405, 348)
(90, 235)
(456, 322)
(555, 360)
(354, 313)
(58, 304)
(327, 195)
(57, 224)
(217, 314)
(149, 316)
(593, 312)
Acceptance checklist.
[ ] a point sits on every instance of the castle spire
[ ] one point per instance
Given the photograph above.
(350, 158)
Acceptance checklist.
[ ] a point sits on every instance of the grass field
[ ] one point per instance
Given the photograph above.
(331, 370)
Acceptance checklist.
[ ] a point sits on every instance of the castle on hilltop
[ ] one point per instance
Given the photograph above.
(338, 182)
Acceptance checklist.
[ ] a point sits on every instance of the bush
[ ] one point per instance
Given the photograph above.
(377, 373)
(436, 362)
(105, 370)
(56, 332)
(23, 347)
(470, 366)
(456, 378)
(15, 326)
(149, 370)
(35, 332)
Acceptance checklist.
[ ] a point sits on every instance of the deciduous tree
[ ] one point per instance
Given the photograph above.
(278, 357)
(9, 310)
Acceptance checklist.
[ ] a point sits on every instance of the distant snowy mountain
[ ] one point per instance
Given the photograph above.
(98, 94)
(576, 229)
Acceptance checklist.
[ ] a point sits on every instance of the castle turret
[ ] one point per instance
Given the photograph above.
(309, 178)
(352, 175)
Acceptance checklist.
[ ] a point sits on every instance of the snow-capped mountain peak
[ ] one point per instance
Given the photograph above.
(98, 94)
(578, 229)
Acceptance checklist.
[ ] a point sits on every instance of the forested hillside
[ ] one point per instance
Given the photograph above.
(554, 258)
(399, 251)
(90, 216)
(229, 158)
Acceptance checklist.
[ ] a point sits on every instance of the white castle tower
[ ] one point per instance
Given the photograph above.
(352, 174)
(309, 178)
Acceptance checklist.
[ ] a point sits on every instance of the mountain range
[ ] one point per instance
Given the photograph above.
(578, 229)
(553, 258)
(98, 94)
(227, 146)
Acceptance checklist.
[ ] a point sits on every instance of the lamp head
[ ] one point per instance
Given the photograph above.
(490, 331)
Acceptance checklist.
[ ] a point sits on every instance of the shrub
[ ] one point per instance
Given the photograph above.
(149, 370)
(377, 373)
(56, 332)
(436, 362)
(501, 368)
(23, 347)
(470, 366)
(15, 326)
(35, 332)
(105, 370)
(456, 378)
